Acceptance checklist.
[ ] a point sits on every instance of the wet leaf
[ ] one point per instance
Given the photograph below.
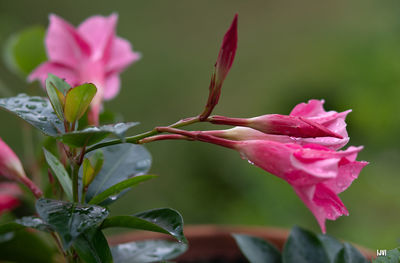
(147, 251)
(70, 219)
(37, 111)
(117, 188)
(162, 220)
(121, 162)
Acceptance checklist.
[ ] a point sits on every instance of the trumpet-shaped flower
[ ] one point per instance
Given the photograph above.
(316, 173)
(89, 53)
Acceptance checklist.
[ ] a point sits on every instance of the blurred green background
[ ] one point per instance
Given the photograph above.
(346, 52)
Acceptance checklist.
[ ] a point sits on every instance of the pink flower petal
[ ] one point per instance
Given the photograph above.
(322, 202)
(64, 45)
(112, 86)
(120, 56)
(98, 31)
(41, 73)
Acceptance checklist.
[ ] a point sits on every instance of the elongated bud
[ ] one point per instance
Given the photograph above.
(11, 168)
(224, 62)
(279, 125)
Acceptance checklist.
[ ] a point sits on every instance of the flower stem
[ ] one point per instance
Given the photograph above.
(136, 138)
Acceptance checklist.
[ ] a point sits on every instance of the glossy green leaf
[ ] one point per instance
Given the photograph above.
(78, 100)
(147, 251)
(92, 135)
(303, 246)
(58, 83)
(33, 222)
(56, 96)
(37, 111)
(60, 172)
(25, 246)
(392, 256)
(117, 188)
(349, 254)
(92, 247)
(162, 220)
(25, 50)
(88, 172)
(332, 246)
(70, 219)
(257, 250)
(121, 162)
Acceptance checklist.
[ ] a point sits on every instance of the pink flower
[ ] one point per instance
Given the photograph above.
(9, 193)
(11, 168)
(90, 53)
(316, 173)
(224, 63)
(312, 111)
(296, 126)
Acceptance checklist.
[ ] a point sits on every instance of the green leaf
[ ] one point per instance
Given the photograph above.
(10, 227)
(117, 188)
(34, 222)
(56, 97)
(60, 172)
(147, 251)
(303, 246)
(37, 111)
(25, 246)
(257, 250)
(121, 162)
(70, 219)
(332, 245)
(88, 172)
(92, 247)
(349, 254)
(392, 256)
(60, 84)
(162, 220)
(94, 135)
(78, 100)
(25, 50)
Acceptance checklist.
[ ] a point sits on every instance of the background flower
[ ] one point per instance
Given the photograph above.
(90, 53)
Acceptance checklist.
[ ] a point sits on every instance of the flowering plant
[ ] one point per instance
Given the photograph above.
(88, 171)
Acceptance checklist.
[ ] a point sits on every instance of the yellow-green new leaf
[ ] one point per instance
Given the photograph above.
(78, 100)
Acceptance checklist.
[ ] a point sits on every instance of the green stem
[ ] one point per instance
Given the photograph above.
(136, 138)
(75, 177)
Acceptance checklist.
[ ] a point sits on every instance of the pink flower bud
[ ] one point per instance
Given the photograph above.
(11, 168)
(9, 193)
(295, 126)
(224, 62)
(10, 165)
